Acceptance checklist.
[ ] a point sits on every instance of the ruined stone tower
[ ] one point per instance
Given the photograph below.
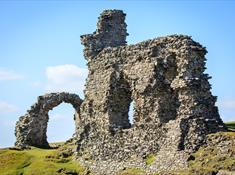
(164, 78)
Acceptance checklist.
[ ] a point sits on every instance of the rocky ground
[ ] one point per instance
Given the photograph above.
(216, 157)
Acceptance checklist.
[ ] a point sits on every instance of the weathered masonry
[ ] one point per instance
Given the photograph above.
(164, 78)
(32, 127)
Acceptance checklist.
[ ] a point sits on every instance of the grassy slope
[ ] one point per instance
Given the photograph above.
(231, 126)
(37, 162)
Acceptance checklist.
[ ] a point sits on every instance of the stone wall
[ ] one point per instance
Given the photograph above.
(164, 77)
(111, 32)
(32, 127)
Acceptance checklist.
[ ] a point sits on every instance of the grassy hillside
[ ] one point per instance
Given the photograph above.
(36, 161)
(231, 126)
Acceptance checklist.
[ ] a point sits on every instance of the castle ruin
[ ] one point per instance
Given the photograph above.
(164, 77)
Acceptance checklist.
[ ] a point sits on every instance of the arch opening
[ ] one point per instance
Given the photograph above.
(31, 129)
(61, 124)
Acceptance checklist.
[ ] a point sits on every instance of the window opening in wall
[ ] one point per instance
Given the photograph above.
(131, 113)
(119, 103)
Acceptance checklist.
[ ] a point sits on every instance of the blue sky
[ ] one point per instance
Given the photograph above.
(40, 50)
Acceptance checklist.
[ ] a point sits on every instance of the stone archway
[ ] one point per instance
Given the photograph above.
(32, 127)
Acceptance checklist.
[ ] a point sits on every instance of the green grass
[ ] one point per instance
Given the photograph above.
(37, 161)
(230, 126)
(13, 162)
(150, 159)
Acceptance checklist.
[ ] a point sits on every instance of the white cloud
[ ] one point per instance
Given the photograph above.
(66, 77)
(9, 75)
(7, 108)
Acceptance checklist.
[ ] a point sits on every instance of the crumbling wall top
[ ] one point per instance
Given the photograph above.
(111, 32)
